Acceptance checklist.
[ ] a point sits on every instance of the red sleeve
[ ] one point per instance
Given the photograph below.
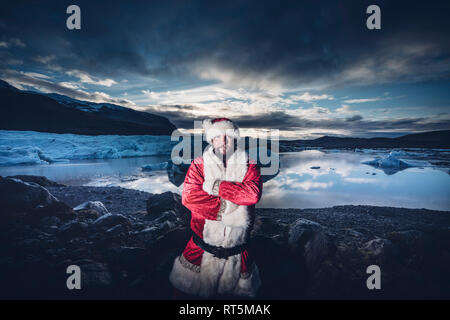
(247, 192)
(194, 197)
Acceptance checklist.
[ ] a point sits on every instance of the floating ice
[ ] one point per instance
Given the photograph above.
(156, 166)
(389, 161)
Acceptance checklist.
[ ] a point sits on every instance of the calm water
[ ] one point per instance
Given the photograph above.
(307, 179)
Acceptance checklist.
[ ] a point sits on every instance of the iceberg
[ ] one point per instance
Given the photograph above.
(391, 164)
(30, 147)
(389, 161)
(155, 166)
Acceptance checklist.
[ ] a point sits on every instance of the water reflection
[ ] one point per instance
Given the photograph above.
(342, 179)
(307, 179)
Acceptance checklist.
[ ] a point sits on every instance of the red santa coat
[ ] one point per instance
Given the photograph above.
(224, 219)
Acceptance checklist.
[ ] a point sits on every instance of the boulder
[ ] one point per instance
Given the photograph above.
(89, 206)
(166, 226)
(176, 173)
(116, 230)
(413, 239)
(166, 216)
(148, 234)
(377, 246)
(40, 180)
(73, 229)
(110, 220)
(308, 238)
(159, 203)
(88, 214)
(50, 221)
(57, 208)
(19, 198)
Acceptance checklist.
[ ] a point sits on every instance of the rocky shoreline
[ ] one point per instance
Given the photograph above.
(125, 241)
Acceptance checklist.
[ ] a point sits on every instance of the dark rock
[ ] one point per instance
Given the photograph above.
(73, 229)
(409, 238)
(92, 205)
(129, 257)
(88, 214)
(116, 230)
(353, 233)
(50, 221)
(159, 203)
(308, 238)
(148, 234)
(269, 226)
(176, 173)
(166, 247)
(283, 274)
(19, 198)
(378, 247)
(95, 275)
(166, 226)
(110, 220)
(57, 208)
(40, 180)
(139, 226)
(166, 216)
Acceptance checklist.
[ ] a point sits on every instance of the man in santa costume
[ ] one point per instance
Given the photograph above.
(221, 189)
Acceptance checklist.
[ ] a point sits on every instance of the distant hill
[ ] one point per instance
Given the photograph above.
(431, 139)
(32, 111)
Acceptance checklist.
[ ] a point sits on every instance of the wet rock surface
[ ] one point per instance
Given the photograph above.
(127, 251)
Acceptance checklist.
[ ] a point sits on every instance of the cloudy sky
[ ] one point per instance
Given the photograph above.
(307, 68)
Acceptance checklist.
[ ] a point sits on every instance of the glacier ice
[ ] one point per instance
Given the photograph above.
(30, 147)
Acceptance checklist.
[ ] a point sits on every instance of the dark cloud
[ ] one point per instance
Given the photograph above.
(21, 79)
(183, 117)
(356, 117)
(298, 41)
(293, 42)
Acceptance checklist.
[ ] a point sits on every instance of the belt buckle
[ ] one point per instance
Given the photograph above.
(220, 253)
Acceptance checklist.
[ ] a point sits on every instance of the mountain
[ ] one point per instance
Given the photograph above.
(431, 139)
(55, 113)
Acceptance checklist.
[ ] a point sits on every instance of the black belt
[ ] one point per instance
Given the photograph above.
(219, 252)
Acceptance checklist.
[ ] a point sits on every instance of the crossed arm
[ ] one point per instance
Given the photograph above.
(194, 197)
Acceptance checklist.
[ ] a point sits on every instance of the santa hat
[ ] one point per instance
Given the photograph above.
(220, 126)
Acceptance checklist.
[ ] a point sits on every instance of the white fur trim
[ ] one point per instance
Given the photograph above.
(248, 287)
(216, 233)
(208, 186)
(237, 166)
(238, 218)
(219, 128)
(216, 275)
(184, 279)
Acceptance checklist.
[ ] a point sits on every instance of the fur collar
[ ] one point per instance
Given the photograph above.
(235, 170)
